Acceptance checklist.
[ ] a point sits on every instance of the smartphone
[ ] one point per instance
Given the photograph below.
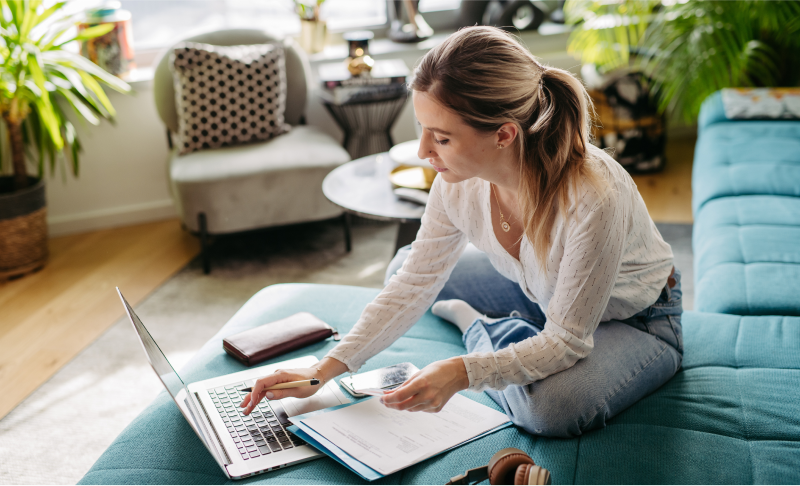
(382, 378)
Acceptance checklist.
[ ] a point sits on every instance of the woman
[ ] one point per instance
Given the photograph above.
(564, 252)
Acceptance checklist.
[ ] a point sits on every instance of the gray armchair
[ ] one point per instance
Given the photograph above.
(257, 185)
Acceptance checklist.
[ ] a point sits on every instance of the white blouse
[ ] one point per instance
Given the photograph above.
(606, 261)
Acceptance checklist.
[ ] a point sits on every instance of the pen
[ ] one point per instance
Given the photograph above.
(288, 384)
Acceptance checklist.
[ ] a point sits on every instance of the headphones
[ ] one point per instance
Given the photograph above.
(507, 466)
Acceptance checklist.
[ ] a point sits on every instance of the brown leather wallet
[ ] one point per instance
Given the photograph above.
(276, 338)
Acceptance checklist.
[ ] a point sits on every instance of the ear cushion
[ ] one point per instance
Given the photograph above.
(521, 476)
(532, 474)
(503, 466)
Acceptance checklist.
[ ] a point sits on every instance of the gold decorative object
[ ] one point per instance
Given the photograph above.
(359, 65)
(412, 177)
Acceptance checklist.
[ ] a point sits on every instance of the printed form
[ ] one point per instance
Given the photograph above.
(388, 440)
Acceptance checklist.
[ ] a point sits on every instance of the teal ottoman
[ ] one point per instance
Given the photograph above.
(731, 415)
(746, 202)
(747, 255)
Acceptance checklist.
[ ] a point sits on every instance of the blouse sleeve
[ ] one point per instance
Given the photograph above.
(586, 278)
(411, 291)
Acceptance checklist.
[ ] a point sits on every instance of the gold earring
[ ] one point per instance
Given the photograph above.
(499, 145)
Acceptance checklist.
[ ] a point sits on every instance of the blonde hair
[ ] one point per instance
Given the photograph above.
(488, 78)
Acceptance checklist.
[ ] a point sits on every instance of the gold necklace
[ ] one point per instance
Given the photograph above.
(503, 224)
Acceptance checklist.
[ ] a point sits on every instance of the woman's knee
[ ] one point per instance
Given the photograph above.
(549, 415)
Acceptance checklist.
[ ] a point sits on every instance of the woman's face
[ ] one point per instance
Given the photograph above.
(456, 150)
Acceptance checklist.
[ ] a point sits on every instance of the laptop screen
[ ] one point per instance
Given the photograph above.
(172, 382)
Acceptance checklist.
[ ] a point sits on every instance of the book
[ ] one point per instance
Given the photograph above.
(387, 71)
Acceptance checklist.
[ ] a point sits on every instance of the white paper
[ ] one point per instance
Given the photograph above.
(388, 440)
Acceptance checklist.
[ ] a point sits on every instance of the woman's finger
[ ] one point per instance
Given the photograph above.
(259, 391)
(402, 393)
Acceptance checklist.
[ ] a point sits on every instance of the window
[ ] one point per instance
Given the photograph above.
(158, 23)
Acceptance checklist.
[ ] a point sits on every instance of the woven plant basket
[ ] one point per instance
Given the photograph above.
(23, 229)
(629, 123)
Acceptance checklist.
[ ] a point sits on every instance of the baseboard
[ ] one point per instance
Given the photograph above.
(111, 217)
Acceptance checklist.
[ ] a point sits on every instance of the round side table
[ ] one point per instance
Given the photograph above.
(362, 187)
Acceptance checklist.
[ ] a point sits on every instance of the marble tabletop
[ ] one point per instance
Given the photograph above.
(362, 187)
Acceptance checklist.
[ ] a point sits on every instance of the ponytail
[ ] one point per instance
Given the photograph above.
(488, 78)
(557, 155)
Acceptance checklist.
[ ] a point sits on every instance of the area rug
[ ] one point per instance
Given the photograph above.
(56, 434)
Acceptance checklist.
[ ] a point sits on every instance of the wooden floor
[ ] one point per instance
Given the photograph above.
(48, 317)
(668, 194)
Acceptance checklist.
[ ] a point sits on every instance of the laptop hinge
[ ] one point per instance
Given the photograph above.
(213, 429)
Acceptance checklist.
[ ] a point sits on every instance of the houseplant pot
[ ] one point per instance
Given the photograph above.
(313, 30)
(23, 228)
(36, 73)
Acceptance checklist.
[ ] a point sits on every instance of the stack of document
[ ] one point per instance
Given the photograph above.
(374, 441)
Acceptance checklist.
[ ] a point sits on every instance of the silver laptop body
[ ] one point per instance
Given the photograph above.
(212, 409)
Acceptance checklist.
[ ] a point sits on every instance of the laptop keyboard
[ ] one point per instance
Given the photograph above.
(258, 434)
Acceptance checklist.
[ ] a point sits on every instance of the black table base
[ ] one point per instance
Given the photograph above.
(367, 125)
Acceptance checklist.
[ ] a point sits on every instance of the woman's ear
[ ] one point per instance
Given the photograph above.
(506, 134)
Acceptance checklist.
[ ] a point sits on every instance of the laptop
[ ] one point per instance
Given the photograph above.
(242, 446)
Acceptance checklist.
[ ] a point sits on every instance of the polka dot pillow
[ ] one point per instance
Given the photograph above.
(228, 95)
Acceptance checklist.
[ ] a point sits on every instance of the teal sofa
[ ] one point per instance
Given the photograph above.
(730, 415)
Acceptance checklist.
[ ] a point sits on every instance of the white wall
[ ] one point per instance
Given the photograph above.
(123, 176)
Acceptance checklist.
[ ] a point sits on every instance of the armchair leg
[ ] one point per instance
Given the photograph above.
(347, 238)
(201, 222)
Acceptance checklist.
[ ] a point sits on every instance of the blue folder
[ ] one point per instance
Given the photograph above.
(324, 445)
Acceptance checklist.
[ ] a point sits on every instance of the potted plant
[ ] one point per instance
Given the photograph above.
(690, 49)
(313, 30)
(39, 76)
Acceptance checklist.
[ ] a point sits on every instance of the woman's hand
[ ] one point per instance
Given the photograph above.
(430, 388)
(325, 370)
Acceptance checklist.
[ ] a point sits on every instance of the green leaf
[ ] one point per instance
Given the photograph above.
(101, 96)
(80, 63)
(49, 12)
(90, 33)
(79, 107)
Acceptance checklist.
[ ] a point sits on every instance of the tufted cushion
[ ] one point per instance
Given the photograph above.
(227, 95)
(731, 415)
(747, 255)
(735, 158)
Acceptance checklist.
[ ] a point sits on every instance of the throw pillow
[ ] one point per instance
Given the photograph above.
(775, 103)
(227, 95)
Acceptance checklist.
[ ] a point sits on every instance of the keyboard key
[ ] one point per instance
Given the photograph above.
(251, 448)
(219, 390)
(284, 440)
(255, 454)
(281, 434)
(275, 446)
(280, 413)
(237, 439)
(288, 445)
(271, 438)
(264, 450)
(261, 443)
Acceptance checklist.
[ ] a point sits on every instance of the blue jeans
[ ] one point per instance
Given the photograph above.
(631, 358)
